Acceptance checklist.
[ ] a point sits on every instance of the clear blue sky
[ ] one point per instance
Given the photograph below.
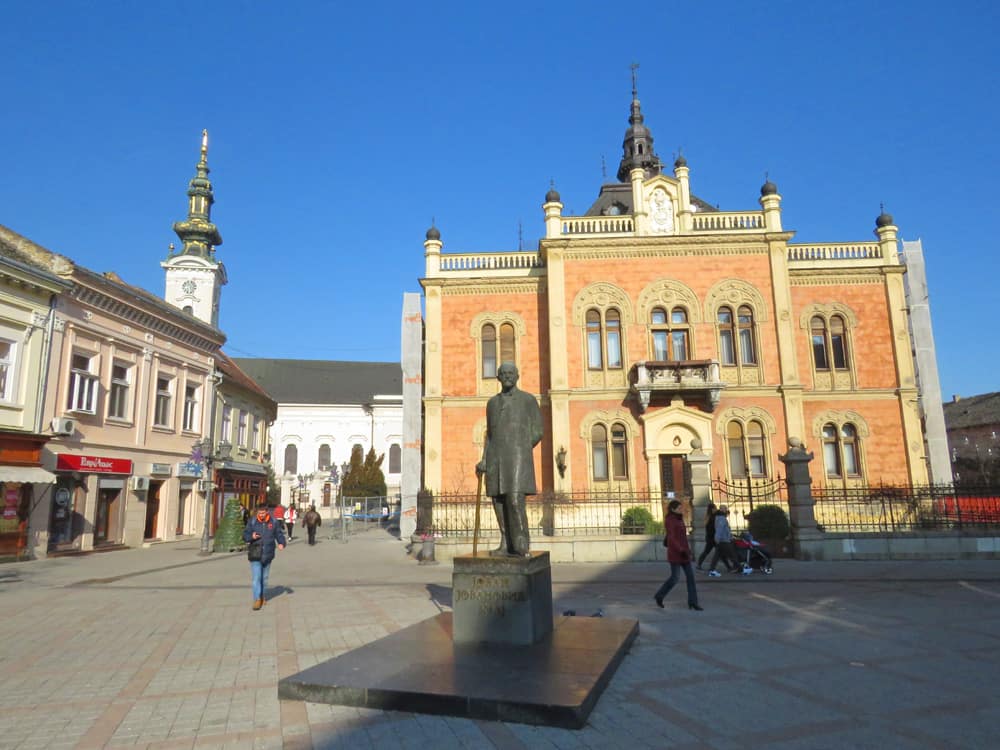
(339, 129)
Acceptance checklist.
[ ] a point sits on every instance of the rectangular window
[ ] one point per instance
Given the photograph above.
(839, 350)
(82, 384)
(748, 355)
(619, 462)
(594, 359)
(832, 459)
(164, 398)
(660, 346)
(600, 455)
(241, 438)
(190, 408)
(255, 445)
(737, 462)
(7, 352)
(227, 424)
(679, 341)
(118, 397)
(614, 349)
(819, 352)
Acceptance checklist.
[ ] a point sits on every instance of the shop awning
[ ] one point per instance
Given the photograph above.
(26, 474)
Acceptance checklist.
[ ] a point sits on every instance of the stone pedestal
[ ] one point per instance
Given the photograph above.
(504, 600)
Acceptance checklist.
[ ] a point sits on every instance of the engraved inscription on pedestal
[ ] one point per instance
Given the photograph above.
(502, 600)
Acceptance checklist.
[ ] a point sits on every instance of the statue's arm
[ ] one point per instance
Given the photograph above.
(536, 423)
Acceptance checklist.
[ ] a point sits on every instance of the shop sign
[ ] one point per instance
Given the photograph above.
(188, 469)
(160, 469)
(11, 498)
(93, 464)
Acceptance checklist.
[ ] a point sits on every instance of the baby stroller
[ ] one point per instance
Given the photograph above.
(752, 554)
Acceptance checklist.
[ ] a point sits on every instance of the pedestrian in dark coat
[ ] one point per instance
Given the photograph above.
(678, 555)
(265, 530)
(311, 521)
(709, 533)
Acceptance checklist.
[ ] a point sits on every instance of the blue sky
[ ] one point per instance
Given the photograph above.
(338, 130)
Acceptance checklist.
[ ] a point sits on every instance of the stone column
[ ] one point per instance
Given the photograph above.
(701, 483)
(800, 500)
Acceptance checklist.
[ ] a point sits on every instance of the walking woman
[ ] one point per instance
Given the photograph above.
(262, 534)
(678, 555)
(709, 533)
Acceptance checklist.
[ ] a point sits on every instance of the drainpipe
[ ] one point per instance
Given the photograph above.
(46, 359)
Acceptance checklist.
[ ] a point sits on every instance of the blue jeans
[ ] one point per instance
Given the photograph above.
(669, 583)
(258, 578)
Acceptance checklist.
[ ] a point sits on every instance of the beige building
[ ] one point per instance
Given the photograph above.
(128, 380)
(27, 296)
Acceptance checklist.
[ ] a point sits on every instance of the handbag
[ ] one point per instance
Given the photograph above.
(255, 550)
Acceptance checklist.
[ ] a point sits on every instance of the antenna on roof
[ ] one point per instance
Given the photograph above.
(604, 169)
(635, 77)
(520, 236)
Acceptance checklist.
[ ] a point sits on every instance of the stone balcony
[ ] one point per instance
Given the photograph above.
(688, 379)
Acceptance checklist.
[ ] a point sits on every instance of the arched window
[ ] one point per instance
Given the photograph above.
(489, 341)
(609, 458)
(291, 459)
(746, 449)
(829, 342)
(323, 459)
(492, 356)
(604, 339)
(671, 340)
(840, 450)
(395, 459)
(599, 452)
(727, 336)
(748, 352)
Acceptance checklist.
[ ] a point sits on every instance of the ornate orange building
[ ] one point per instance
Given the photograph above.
(654, 320)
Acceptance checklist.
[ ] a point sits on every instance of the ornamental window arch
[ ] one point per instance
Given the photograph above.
(830, 328)
(748, 434)
(602, 312)
(609, 436)
(670, 310)
(737, 309)
(498, 337)
(842, 435)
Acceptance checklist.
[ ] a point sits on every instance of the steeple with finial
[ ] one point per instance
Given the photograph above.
(194, 276)
(637, 147)
(198, 235)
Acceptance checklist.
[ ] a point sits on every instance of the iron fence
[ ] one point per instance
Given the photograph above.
(906, 508)
(742, 495)
(549, 514)
(357, 514)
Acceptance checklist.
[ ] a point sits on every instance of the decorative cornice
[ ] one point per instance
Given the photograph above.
(744, 415)
(606, 417)
(489, 286)
(497, 318)
(839, 418)
(669, 292)
(825, 311)
(834, 278)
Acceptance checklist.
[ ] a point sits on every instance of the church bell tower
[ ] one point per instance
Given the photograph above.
(194, 277)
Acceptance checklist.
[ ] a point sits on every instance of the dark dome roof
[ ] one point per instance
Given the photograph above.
(883, 220)
(768, 188)
(552, 196)
(680, 161)
(433, 233)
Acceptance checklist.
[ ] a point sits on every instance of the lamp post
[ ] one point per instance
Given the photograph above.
(209, 459)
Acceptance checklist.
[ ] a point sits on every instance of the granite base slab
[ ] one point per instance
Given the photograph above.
(555, 682)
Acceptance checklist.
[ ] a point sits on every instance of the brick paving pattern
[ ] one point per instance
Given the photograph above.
(158, 648)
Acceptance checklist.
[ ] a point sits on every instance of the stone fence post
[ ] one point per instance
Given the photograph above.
(701, 484)
(801, 510)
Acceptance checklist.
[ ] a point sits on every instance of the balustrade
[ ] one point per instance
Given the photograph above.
(728, 221)
(836, 251)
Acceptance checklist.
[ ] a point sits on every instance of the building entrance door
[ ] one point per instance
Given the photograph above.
(105, 523)
(675, 480)
(152, 509)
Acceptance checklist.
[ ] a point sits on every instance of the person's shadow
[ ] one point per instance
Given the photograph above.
(275, 591)
(440, 595)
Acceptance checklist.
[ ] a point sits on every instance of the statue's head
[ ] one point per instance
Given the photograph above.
(507, 375)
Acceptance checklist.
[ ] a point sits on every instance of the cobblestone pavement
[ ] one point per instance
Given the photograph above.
(159, 648)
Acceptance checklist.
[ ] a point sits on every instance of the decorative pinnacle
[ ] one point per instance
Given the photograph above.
(204, 145)
(635, 76)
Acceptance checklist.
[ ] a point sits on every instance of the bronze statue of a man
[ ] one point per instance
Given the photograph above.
(513, 429)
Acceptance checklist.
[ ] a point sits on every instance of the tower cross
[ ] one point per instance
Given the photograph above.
(635, 76)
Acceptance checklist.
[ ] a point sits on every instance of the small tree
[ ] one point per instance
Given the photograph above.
(273, 488)
(229, 535)
(769, 522)
(364, 478)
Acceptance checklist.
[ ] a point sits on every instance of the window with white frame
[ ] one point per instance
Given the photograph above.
(255, 444)
(323, 458)
(604, 339)
(83, 386)
(163, 408)
(670, 334)
(241, 436)
(291, 459)
(8, 353)
(190, 407)
(609, 457)
(118, 394)
(227, 424)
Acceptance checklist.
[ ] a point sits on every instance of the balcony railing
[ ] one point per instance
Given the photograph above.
(598, 225)
(837, 254)
(687, 377)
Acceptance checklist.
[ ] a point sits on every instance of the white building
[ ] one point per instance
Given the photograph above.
(325, 408)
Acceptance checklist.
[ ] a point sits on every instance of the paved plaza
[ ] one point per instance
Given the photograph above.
(158, 648)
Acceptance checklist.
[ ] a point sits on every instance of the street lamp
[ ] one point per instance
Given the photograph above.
(209, 459)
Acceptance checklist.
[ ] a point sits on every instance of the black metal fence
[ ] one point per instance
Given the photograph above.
(743, 495)
(906, 508)
(549, 514)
